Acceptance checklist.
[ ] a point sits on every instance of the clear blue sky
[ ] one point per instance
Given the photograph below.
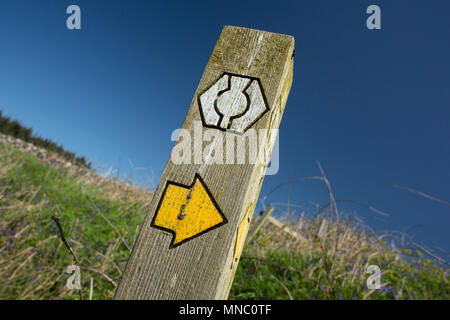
(372, 106)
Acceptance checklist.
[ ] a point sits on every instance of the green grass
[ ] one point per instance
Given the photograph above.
(276, 265)
(101, 221)
(281, 274)
(33, 259)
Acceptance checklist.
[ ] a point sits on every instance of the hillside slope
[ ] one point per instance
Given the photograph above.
(100, 219)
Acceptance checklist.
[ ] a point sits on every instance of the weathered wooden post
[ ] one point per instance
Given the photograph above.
(263, 218)
(191, 240)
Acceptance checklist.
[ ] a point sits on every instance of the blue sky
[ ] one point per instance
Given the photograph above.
(373, 106)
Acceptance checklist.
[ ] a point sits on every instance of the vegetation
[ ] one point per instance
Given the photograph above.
(323, 260)
(15, 129)
(277, 265)
(100, 226)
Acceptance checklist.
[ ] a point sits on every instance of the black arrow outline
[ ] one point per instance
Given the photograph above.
(199, 178)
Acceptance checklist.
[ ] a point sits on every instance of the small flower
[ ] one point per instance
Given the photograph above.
(321, 287)
(294, 280)
(98, 258)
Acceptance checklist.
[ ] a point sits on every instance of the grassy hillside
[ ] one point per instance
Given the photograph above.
(101, 221)
(333, 266)
(100, 225)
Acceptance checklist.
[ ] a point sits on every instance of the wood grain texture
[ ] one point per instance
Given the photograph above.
(259, 223)
(204, 267)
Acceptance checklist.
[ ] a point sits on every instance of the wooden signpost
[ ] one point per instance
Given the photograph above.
(191, 240)
(259, 223)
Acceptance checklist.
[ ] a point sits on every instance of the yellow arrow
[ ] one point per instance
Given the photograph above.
(187, 211)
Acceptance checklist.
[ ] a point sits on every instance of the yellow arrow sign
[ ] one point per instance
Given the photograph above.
(187, 211)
